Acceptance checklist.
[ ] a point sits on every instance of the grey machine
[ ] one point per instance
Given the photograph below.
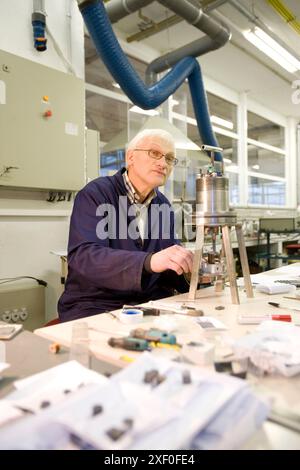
(214, 217)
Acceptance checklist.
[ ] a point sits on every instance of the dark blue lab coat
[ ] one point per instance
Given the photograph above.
(105, 274)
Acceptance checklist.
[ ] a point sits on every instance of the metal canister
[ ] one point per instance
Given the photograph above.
(212, 201)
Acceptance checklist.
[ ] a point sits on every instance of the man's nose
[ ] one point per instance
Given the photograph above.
(162, 161)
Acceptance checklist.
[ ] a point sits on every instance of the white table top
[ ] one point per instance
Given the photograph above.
(285, 392)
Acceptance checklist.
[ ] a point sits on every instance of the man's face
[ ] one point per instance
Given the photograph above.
(148, 171)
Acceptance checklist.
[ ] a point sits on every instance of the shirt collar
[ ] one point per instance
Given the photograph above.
(132, 193)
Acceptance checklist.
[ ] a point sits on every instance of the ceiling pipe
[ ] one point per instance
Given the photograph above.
(213, 5)
(217, 36)
(108, 47)
(118, 9)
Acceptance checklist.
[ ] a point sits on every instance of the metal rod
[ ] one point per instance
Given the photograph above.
(244, 260)
(197, 261)
(230, 265)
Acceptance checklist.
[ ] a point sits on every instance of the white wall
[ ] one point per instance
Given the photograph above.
(17, 34)
(26, 238)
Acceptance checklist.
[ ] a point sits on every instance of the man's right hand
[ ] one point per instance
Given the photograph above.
(175, 257)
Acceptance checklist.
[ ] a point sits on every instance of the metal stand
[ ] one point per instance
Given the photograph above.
(213, 213)
(229, 262)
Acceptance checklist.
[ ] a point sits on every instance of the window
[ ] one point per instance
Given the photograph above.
(266, 162)
(262, 130)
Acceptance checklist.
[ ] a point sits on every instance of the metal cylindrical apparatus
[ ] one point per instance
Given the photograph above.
(212, 201)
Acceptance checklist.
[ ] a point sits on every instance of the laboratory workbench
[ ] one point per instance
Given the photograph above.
(284, 392)
(29, 354)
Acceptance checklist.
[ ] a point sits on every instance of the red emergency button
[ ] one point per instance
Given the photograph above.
(48, 113)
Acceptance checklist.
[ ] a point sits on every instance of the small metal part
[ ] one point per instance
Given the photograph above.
(115, 433)
(97, 409)
(153, 377)
(223, 366)
(128, 422)
(220, 307)
(193, 312)
(45, 404)
(150, 375)
(219, 285)
(211, 258)
(186, 377)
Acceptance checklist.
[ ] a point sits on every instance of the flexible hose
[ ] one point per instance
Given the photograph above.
(108, 47)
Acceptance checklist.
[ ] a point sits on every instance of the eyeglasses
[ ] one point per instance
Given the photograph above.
(156, 155)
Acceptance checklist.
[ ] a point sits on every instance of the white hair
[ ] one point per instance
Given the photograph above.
(148, 133)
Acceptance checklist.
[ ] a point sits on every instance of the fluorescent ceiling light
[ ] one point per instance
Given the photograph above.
(222, 122)
(147, 112)
(271, 48)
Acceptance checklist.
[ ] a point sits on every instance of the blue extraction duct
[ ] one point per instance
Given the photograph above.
(107, 45)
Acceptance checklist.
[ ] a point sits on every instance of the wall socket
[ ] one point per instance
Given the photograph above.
(23, 303)
(15, 316)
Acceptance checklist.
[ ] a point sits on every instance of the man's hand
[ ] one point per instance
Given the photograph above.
(175, 257)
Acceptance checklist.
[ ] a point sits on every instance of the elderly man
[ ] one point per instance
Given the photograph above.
(122, 246)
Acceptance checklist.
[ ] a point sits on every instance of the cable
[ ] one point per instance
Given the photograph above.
(5, 280)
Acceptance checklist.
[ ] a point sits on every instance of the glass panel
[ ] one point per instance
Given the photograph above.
(234, 195)
(193, 134)
(107, 116)
(96, 72)
(264, 161)
(230, 153)
(222, 112)
(265, 131)
(266, 192)
(111, 162)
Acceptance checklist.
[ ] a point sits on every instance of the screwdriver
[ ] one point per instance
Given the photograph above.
(157, 336)
(132, 344)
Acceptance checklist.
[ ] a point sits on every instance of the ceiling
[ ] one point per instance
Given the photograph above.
(238, 65)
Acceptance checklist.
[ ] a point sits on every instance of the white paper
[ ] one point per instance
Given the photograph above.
(8, 412)
(70, 372)
(53, 385)
(2, 92)
(165, 415)
(275, 288)
(291, 270)
(71, 128)
(211, 323)
(3, 366)
(59, 252)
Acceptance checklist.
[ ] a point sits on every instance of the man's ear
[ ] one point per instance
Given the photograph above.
(129, 157)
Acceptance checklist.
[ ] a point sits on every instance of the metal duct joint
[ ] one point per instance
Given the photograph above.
(217, 36)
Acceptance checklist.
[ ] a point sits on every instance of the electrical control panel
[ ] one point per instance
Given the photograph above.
(42, 119)
(23, 303)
